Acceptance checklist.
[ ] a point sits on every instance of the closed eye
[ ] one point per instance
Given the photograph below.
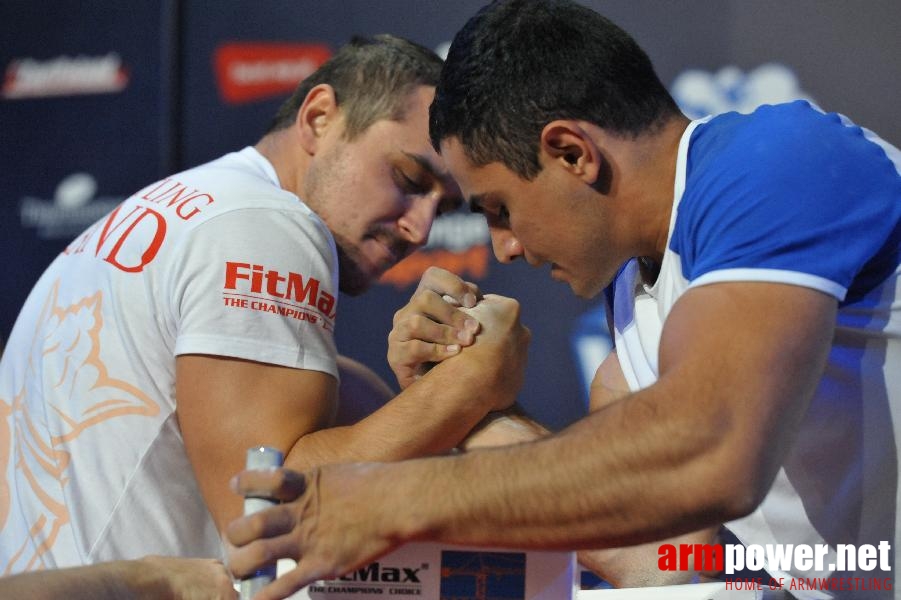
(410, 185)
(498, 216)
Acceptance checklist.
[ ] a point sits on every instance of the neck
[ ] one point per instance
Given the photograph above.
(648, 185)
(287, 158)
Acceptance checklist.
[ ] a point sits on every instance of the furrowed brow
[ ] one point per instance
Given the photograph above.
(425, 165)
(455, 201)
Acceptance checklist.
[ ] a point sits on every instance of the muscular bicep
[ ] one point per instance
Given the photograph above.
(609, 383)
(743, 360)
(226, 405)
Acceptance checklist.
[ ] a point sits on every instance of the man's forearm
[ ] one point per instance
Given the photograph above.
(629, 566)
(538, 495)
(106, 581)
(430, 417)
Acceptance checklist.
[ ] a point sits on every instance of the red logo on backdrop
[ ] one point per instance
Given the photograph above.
(248, 72)
(472, 262)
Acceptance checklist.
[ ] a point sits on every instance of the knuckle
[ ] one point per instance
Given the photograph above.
(405, 327)
(399, 315)
(429, 351)
(418, 323)
(510, 302)
(420, 295)
(256, 525)
(419, 349)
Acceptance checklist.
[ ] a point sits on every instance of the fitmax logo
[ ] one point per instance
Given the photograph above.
(376, 572)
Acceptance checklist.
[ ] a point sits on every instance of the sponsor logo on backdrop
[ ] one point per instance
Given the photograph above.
(64, 76)
(375, 579)
(73, 208)
(458, 242)
(248, 71)
(701, 93)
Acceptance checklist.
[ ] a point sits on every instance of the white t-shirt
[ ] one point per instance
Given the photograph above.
(214, 260)
(792, 195)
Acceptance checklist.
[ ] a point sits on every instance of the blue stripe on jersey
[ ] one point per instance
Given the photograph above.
(792, 189)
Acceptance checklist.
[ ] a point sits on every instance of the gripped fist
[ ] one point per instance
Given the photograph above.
(500, 351)
(432, 326)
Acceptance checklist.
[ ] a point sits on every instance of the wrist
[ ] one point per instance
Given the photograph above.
(144, 578)
(417, 516)
(496, 371)
(473, 372)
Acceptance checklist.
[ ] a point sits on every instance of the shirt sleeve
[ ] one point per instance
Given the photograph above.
(797, 197)
(258, 284)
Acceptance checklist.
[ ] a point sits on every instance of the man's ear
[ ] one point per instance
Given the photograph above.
(568, 144)
(318, 112)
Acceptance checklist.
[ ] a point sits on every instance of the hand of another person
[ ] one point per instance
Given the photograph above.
(432, 326)
(149, 578)
(503, 428)
(329, 524)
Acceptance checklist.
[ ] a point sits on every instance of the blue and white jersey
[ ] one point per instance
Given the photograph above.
(789, 194)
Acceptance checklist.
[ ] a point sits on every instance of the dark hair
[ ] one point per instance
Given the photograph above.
(372, 79)
(519, 64)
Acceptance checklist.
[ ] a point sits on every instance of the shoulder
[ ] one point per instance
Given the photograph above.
(785, 158)
(787, 188)
(244, 176)
(243, 194)
(792, 140)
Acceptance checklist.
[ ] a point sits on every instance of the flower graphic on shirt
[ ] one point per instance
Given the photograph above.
(64, 363)
(5, 441)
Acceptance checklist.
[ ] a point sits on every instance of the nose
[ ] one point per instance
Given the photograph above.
(416, 222)
(506, 246)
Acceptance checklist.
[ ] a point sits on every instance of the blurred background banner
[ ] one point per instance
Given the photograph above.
(100, 98)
